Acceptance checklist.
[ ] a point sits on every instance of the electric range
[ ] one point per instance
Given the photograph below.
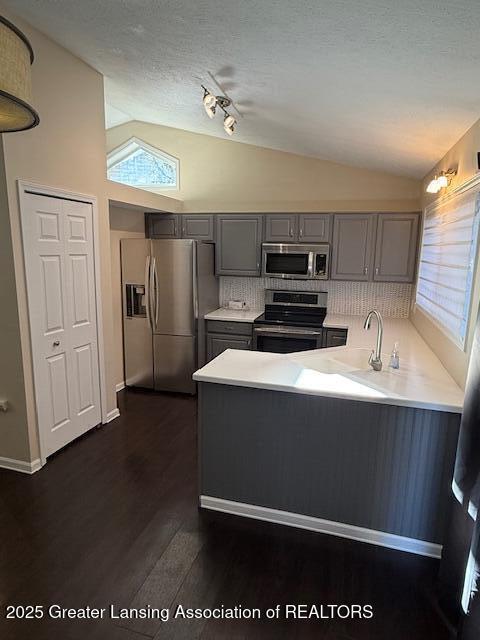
(293, 321)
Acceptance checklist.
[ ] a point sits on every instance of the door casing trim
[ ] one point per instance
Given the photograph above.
(25, 186)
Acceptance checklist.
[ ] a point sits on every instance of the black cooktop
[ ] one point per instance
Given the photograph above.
(293, 316)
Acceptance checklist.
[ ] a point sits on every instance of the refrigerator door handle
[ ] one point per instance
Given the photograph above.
(195, 282)
(147, 291)
(155, 290)
(151, 295)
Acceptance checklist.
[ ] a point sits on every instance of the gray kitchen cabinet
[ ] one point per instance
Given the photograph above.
(238, 244)
(230, 327)
(223, 335)
(217, 344)
(314, 227)
(353, 246)
(197, 226)
(163, 225)
(333, 337)
(396, 247)
(281, 227)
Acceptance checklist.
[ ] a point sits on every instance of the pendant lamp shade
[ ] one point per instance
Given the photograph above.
(16, 57)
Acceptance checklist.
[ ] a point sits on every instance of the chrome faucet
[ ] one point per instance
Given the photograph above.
(375, 359)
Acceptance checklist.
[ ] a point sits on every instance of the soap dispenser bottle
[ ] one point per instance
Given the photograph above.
(395, 357)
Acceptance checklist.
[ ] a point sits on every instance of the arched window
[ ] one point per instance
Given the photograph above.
(140, 165)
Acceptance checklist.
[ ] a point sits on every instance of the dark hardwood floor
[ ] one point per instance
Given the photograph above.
(113, 519)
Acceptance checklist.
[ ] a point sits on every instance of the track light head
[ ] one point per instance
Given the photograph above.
(210, 103)
(229, 123)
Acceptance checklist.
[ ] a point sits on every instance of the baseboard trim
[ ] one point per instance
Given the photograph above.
(120, 386)
(111, 415)
(20, 465)
(371, 536)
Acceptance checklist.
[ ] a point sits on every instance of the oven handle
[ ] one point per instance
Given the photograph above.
(284, 330)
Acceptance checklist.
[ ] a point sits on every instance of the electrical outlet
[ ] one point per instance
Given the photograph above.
(3, 405)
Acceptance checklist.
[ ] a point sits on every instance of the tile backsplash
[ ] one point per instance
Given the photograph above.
(351, 298)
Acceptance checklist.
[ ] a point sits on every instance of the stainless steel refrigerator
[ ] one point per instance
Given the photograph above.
(168, 286)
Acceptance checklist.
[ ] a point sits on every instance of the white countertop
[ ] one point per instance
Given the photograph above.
(343, 372)
(234, 315)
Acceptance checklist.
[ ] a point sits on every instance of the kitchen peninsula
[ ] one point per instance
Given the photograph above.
(319, 440)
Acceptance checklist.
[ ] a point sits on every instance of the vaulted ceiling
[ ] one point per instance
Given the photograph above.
(384, 84)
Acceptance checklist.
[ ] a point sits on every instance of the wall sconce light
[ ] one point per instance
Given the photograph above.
(441, 181)
(211, 102)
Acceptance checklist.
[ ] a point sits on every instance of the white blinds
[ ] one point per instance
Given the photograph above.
(447, 262)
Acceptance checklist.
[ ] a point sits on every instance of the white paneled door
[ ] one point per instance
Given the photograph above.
(59, 263)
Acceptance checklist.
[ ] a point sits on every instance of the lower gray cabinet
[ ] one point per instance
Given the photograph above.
(238, 244)
(163, 225)
(222, 335)
(217, 344)
(396, 247)
(335, 337)
(197, 227)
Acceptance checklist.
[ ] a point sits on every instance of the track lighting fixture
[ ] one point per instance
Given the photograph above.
(211, 102)
(441, 181)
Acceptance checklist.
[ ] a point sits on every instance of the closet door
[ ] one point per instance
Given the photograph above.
(59, 264)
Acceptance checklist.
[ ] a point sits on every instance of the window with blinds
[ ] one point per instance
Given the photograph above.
(447, 262)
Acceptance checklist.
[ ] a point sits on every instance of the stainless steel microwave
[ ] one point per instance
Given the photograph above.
(295, 261)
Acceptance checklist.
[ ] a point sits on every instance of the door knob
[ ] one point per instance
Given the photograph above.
(56, 343)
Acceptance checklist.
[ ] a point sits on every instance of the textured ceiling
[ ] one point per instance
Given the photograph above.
(386, 84)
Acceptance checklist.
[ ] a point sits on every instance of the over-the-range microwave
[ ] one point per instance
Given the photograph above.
(295, 261)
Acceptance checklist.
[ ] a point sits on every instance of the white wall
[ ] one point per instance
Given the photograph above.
(462, 157)
(224, 176)
(124, 223)
(14, 441)
(66, 150)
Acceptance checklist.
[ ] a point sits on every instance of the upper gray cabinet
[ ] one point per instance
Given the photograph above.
(303, 227)
(173, 225)
(396, 247)
(314, 227)
(197, 226)
(353, 246)
(163, 225)
(238, 244)
(281, 227)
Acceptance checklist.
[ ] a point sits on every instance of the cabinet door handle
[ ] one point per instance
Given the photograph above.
(365, 271)
(301, 231)
(376, 271)
(291, 233)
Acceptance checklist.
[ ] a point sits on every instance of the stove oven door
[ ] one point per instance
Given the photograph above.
(286, 339)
